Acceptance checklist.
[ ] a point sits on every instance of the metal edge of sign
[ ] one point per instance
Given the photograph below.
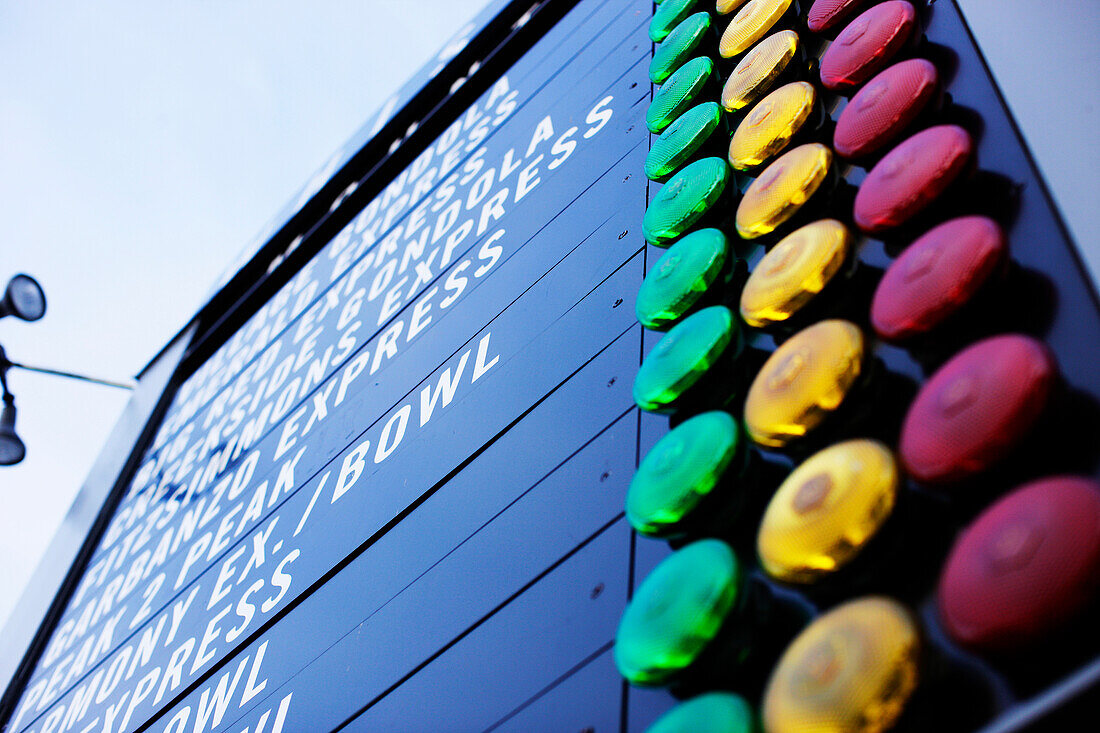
(43, 600)
(1008, 101)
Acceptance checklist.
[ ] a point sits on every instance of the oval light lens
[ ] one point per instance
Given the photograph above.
(683, 356)
(690, 267)
(791, 275)
(677, 612)
(751, 23)
(683, 200)
(804, 381)
(757, 71)
(851, 670)
(682, 469)
(771, 124)
(782, 189)
(827, 510)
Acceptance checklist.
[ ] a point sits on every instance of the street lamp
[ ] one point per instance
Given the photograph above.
(25, 299)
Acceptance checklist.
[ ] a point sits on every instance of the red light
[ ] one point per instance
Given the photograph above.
(1025, 566)
(976, 408)
(824, 14)
(885, 107)
(867, 44)
(936, 275)
(911, 176)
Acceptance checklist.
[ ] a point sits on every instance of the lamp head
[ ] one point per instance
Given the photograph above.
(12, 450)
(23, 298)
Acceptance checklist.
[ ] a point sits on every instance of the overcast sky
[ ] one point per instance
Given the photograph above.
(142, 146)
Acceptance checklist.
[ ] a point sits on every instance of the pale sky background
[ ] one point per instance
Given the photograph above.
(144, 144)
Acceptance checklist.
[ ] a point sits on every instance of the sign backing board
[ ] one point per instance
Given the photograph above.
(392, 498)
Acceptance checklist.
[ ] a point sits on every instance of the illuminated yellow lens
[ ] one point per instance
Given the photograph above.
(750, 24)
(781, 190)
(827, 510)
(725, 7)
(850, 671)
(756, 73)
(771, 124)
(794, 271)
(803, 382)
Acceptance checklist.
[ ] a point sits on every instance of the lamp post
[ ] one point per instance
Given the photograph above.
(25, 299)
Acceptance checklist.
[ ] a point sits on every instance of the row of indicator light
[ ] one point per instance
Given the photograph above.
(855, 667)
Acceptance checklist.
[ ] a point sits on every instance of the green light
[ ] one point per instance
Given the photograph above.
(679, 46)
(676, 612)
(681, 140)
(675, 284)
(681, 470)
(714, 712)
(667, 17)
(683, 356)
(684, 199)
(678, 93)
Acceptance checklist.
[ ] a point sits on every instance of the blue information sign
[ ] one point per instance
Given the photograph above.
(385, 490)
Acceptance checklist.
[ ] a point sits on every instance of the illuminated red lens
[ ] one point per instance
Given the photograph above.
(1025, 566)
(936, 276)
(911, 176)
(976, 408)
(867, 44)
(825, 14)
(885, 107)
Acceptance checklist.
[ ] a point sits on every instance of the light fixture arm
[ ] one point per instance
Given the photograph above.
(6, 363)
(72, 375)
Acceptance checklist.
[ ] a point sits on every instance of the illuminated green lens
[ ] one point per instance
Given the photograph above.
(680, 278)
(686, 196)
(679, 93)
(679, 46)
(676, 612)
(714, 712)
(681, 140)
(683, 356)
(681, 470)
(668, 16)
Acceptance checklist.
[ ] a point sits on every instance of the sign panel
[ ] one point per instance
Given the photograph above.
(455, 310)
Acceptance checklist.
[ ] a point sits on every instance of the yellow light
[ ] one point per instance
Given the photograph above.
(781, 190)
(803, 382)
(771, 124)
(794, 271)
(827, 510)
(758, 70)
(752, 22)
(725, 7)
(850, 671)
